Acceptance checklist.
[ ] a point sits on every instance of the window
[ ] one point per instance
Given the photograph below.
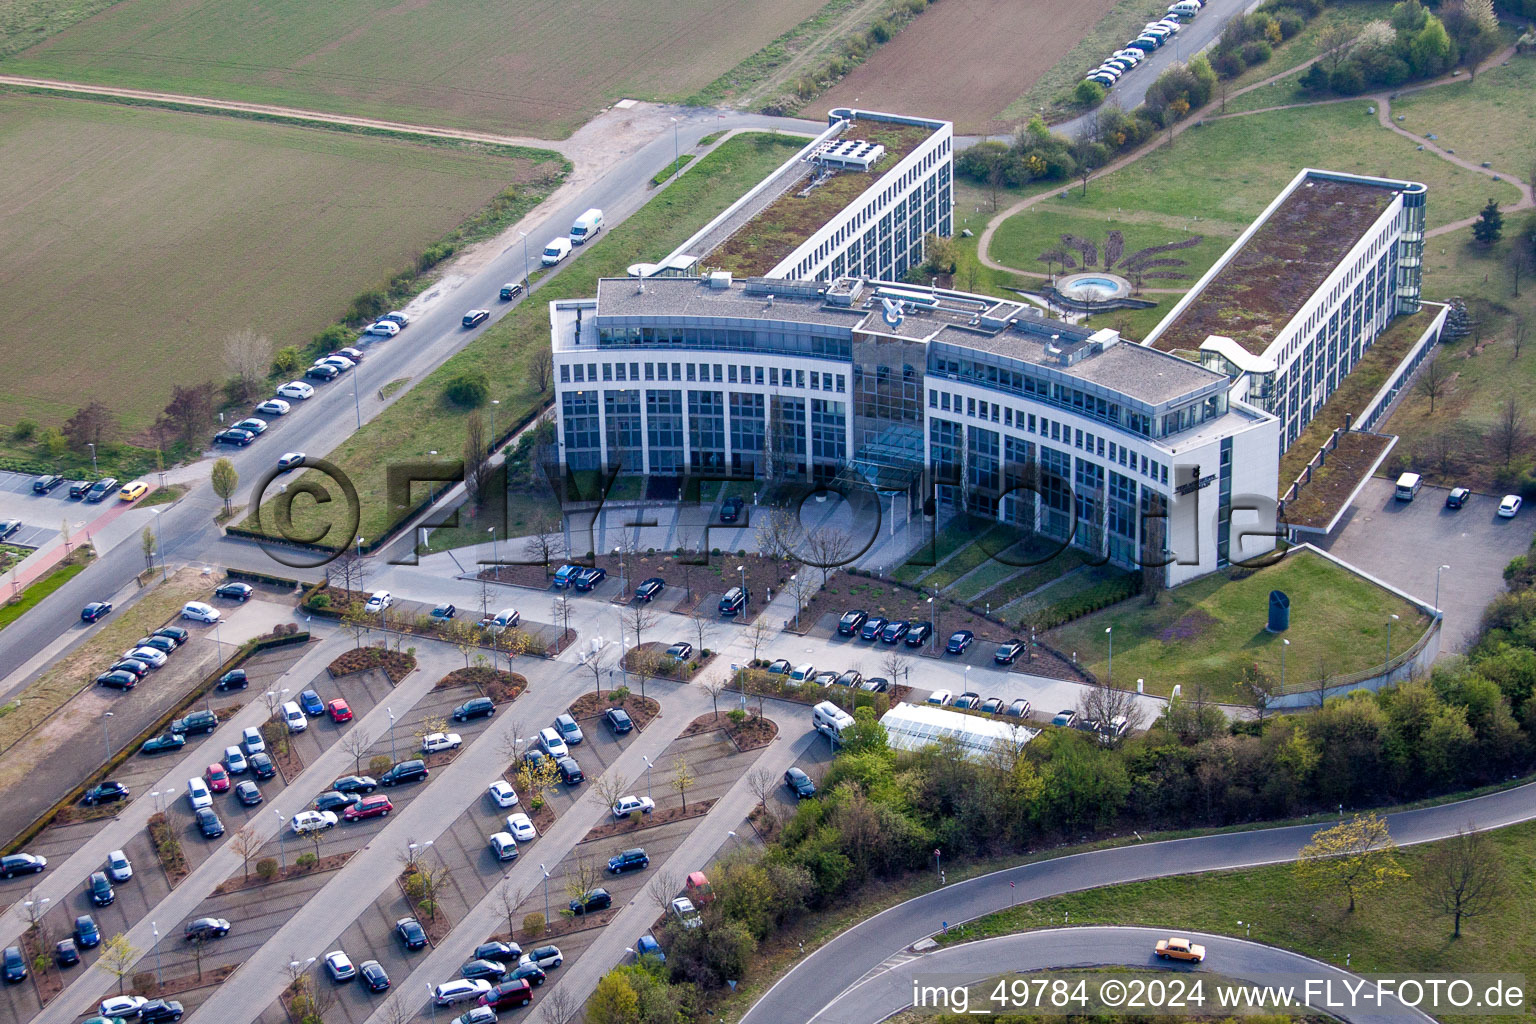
(565, 374)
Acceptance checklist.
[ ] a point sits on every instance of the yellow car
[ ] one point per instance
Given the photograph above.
(1180, 949)
(133, 491)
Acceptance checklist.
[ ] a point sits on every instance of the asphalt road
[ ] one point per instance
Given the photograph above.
(891, 991)
(826, 974)
(320, 424)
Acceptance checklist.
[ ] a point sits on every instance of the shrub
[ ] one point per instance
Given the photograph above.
(1256, 51)
(533, 924)
(305, 861)
(736, 715)
(433, 255)
(1088, 94)
(379, 764)
(266, 869)
(23, 430)
(469, 390)
(1347, 79)
(880, 32)
(368, 306)
(333, 337)
(288, 360)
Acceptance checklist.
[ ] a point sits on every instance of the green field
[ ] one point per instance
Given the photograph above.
(134, 240)
(422, 420)
(539, 67)
(1209, 631)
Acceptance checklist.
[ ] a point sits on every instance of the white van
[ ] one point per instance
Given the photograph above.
(587, 226)
(830, 719)
(557, 250)
(504, 846)
(1407, 486)
(294, 717)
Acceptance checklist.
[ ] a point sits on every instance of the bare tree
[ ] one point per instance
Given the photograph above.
(1103, 704)
(715, 687)
(560, 609)
(348, 571)
(779, 534)
(273, 699)
(829, 550)
(896, 664)
(1333, 44)
(1519, 335)
(762, 782)
(638, 618)
(801, 587)
(665, 885)
(646, 665)
(357, 743)
(559, 1006)
(246, 843)
(1434, 378)
(248, 358)
(610, 786)
(147, 542)
(542, 545)
(511, 741)
(583, 874)
(598, 663)
(758, 636)
(705, 622)
(1507, 435)
(509, 897)
(541, 368)
(396, 1011)
(476, 459)
(1463, 877)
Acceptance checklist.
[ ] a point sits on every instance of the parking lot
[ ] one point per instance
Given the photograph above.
(42, 513)
(1405, 543)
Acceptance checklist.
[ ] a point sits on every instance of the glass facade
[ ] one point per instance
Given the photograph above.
(747, 430)
(626, 430)
(664, 413)
(583, 439)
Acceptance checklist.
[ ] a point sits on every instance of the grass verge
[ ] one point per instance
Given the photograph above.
(39, 589)
(673, 167)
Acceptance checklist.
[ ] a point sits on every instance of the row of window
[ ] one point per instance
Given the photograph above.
(1039, 389)
(584, 373)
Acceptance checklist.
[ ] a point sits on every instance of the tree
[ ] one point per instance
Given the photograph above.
(224, 480)
(356, 742)
(896, 664)
(760, 633)
(1333, 43)
(559, 1006)
(541, 368)
(397, 1011)
(423, 884)
(509, 897)
(715, 687)
(801, 587)
(1507, 435)
(147, 542)
(639, 617)
(610, 786)
(865, 734)
(1433, 380)
(663, 887)
(1102, 703)
(247, 357)
(762, 782)
(829, 549)
(613, 1001)
(118, 957)
(189, 411)
(1489, 226)
(246, 843)
(705, 622)
(582, 876)
(682, 778)
(1517, 338)
(539, 778)
(599, 664)
(476, 460)
(92, 423)
(1354, 858)
(1463, 877)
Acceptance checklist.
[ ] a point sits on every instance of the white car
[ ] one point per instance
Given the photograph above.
(542, 957)
(274, 407)
(628, 805)
(502, 794)
(254, 744)
(197, 611)
(342, 363)
(941, 697)
(118, 866)
(234, 760)
(296, 389)
(800, 673)
(148, 655)
(521, 827)
(434, 742)
(553, 745)
(1509, 506)
(290, 459)
(460, 990)
(378, 601)
(339, 966)
(122, 1006)
(294, 716)
(383, 329)
(198, 795)
(313, 821)
(686, 913)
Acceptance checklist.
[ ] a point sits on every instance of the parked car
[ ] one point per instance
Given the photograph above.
(157, 1011)
(198, 795)
(1007, 653)
(105, 792)
(825, 679)
(939, 698)
(735, 601)
(510, 291)
(382, 329)
(340, 966)
(130, 492)
(405, 771)
(312, 821)
(198, 721)
(779, 667)
(374, 975)
(163, 742)
(262, 766)
(15, 965)
(490, 970)
(311, 704)
(968, 699)
(685, 913)
(118, 680)
(460, 990)
(100, 888)
(293, 717)
(521, 827)
(918, 634)
(296, 389)
(395, 316)
(87, 933)
(217, 778)
(13, 864)
(802, 673)
(1457, 497)
(569, 731)
(476, 317)
(411, 933)
(502, 794)
(849, 624)
(133, 666)
(369, 807)
(544, 957)
(1019, 708)
(355, 784)
(1509, 506)
(205, 928)
(591, 902)
(570, 771)
(255, 424)
(274, 407)
(649, 589)
(322, 372)
(208, 823)
(100, 489)
(66, 954)
(1065, 718)
(992, 705)
(680, 651)
(799, 784)
(119, 867)
(335, 802)
(234, 591)
(875, 684)
(872, 627)
(505, 952)
(231, 435)
(248, 793)
(46, 483)
(552, 743)
(148, 655)
(234, 760)
(647, 945)
(95, 610)
(378, 601)
(894, 631)
(628, 805)
(508, 993)
(339, 710)
(618, 720)
(436, 742)
(589, 578)
(852, 678)
(566, 575)
(197, 611)
(477, 707)
(730, 509)
(234, 679)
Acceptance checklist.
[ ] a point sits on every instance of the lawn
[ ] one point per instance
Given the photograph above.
(147, 235)
(956, 534)
(1208, 632)
(422, 420)
(14, 609)
(1391, 932)
(1482, 120)
(537, 68)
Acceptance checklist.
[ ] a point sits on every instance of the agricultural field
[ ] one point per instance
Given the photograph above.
(946, 63)
(539, 68)
(133, 240)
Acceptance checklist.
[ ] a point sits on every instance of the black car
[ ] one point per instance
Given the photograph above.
(95, 610)
(261, 765)
(779, 667)
(853, 677)
(132, 666)
(648, 589)
(248, 793)
(46, 483)
(157, 1010)
(105, 793)
(959, 641)
(15, 964)
(205, 928)
(1008, 653)
(507, 952)
(681, 651)
(476, 317)
(80, 488)
(489, 970)
(531, 973)
(634, 859)
(919, 633)
(66, 952)
(235, 436)
(334, 801)
(234, 591)
(21, 864)
(8, 527)
(730, 509)
(405, 771)
(875, 684)
(570, 771)
(118, 680)
(799, 784)
(411, 933)
(322, 371)
(163, 742)
(234, 679)
(619, 721)
(208, 823)
(100, 489)
(100, 888)
(1458, 497)
(968, 699)
(992, 705)
(849, 624)
(479, 707)
(175, 634)
(589, 578)
(87, 933)
(1019, 708)
(597, 899)
(197, 721)
(163, 644)
(374, 975)
(735, 601)
(894, 631)
(355, 784)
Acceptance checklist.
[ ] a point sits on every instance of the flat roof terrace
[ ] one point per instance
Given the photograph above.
(760, 244)
(1281, 265)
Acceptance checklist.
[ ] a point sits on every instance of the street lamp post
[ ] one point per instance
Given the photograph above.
(1284, 643)
(546, 892)
(619, 550)
(391, 714)
(1387, 668)
(160, 543)
(282, 848)
(159, 978)
(933, 611)
(647, 775)
(357, 403)
(106, 735)
(432, 1001)
(1109, 673)
(1437, 585)
(676, 151)
(745, 600)
(795, 590)
(495, 551)
(494, 403)
(526, 284)
(94, 470)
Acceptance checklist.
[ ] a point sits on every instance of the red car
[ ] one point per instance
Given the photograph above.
(339, 710)
(218, 778)
(369, 807)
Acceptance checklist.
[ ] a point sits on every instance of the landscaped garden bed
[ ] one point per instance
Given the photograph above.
(747, 730)
(395, 664)
(425, 904)
(592, 705)
(283, 755)
(49, 981)
(167, 844)
(626, 826)
(651, 660)
(276, 873)
(756, 680)
(500, 686)
(1323, 497)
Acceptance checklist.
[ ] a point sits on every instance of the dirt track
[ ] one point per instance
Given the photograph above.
(966, 60)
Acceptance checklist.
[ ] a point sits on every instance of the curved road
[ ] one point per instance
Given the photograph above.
(818, 981)
(970, 963)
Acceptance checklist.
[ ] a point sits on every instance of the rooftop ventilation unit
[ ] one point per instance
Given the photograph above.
(852, 154)
(720, 280)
